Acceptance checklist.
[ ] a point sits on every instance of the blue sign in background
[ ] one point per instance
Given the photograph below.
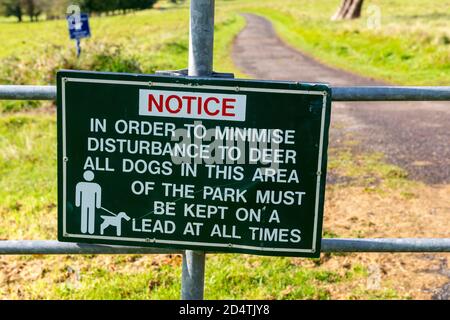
(80, 30)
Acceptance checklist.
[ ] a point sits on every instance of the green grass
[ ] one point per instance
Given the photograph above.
(31, 53)
(411, 47)
(368, 170)
(27, 176)
(94, 281)
(228, 276)
(28, 211)
(384, 294)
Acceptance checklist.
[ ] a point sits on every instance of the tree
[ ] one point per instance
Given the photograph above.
(349, 9)
(33, 8)
(18, 8)
(54, 9)
(12, 8)
(102, 6)
(57, 9)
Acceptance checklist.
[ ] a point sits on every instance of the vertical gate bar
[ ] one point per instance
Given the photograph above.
(193, 275)
(201, 38)
(201, 41)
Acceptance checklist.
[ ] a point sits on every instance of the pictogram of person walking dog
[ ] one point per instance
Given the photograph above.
(88, 196)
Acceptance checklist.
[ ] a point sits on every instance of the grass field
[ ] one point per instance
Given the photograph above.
(27, 160)
(28, 211)
(411, 47)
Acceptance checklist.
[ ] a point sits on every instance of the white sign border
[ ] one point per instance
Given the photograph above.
(64, 80)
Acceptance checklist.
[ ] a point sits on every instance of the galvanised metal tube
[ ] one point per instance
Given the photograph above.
(389, 93)
(17, 247)
(193, 275)
(384, 93)
(387, 245)
(201, 38)
(201, 42)
(56, 247)
(9, 92)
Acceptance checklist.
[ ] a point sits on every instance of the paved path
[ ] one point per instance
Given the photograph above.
(413, 135)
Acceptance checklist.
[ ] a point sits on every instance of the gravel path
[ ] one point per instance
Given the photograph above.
(413, 135)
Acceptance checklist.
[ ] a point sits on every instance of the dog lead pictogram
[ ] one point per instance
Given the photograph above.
(115, 220)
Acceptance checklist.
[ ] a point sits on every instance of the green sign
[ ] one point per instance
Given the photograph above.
(192, 163)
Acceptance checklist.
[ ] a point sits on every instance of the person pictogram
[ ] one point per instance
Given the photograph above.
(88, 196)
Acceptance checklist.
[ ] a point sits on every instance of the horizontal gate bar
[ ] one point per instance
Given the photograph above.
(8, 92)
(389, 93)
(381, 93)
(386, 245)
(16, 247)
(56, 247)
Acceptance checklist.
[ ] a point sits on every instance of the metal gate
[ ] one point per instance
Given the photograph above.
(200, 64)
